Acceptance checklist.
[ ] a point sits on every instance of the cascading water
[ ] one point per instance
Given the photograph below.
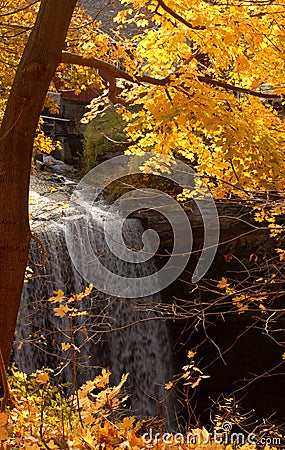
(122, 334)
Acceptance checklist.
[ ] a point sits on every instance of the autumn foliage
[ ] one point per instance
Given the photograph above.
(194, 80)
(200, 75)
(42, 416)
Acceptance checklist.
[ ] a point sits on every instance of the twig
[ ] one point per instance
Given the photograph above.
(5, 384)
(43, 253)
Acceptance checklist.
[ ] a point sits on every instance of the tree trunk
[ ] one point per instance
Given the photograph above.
(38, 64)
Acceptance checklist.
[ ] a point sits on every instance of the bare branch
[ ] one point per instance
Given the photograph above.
(39, 242)
(15, 25)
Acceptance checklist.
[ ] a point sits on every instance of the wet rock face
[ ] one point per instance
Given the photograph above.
(236, 222)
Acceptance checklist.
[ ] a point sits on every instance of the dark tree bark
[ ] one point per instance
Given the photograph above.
(41, 56)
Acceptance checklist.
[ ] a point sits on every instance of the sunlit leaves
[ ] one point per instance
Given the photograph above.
(69, 306)
(223, 283)
(281, 253)
(237, 141)
(61, 310)
(42, 377)
(42, 416)
(58, 296)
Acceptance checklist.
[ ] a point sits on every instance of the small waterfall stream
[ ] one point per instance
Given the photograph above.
(105, 336)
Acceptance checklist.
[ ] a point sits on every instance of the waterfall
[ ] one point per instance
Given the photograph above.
(105, 336)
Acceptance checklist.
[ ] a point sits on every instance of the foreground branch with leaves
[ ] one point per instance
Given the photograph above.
(41, 416)
(176, 80)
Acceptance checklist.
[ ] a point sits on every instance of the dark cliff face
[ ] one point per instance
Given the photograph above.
(241, 358)
(240, 351)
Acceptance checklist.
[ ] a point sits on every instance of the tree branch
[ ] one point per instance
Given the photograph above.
(110, 69)
(211, 81)
(113, 72)
(15, 25)
(178, 17)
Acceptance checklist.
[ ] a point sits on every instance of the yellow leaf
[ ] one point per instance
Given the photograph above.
(42, 377)
(168, 385)
(262, 307)
(88, 438)
(127, 423)
(88, 290)
(197, 382)
(3, 418)
(3, 434)
(61, 310)
(223, 283)
(65, 346)
(103, 379)
(281, 254)
(58, 296)
(51, 444)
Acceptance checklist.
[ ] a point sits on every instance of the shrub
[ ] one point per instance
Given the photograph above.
(103, 138)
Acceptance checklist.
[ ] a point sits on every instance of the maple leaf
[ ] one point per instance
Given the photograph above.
(42, 377)
(61, 310)
(127, 423)
(103, 379)
(58, 296)
(3, 434)
(168, 385)
(223, 283)
(65, 346)
(3, 418)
